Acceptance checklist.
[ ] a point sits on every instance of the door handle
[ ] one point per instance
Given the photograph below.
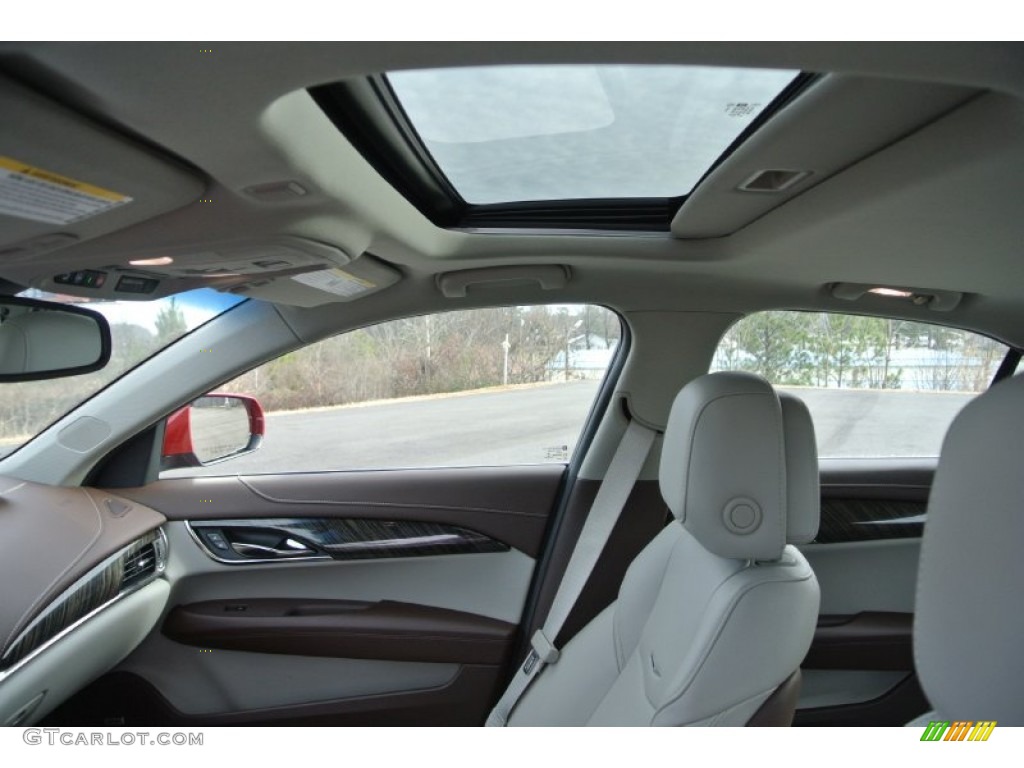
(292, 549)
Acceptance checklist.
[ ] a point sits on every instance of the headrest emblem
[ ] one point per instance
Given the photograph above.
(742, 516)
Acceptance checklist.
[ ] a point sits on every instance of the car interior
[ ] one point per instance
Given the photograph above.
(695, 553)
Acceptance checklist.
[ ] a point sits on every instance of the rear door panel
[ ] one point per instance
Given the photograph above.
(859, 670)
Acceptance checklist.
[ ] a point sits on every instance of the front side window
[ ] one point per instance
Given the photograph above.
(876, 387)
(510, 385)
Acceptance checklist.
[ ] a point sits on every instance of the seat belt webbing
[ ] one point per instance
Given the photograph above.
(611, 497)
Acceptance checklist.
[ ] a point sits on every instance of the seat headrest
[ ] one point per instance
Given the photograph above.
(803, 490)
(736, 462)
(968, 625)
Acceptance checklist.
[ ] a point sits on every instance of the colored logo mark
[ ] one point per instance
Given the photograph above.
(960, 730)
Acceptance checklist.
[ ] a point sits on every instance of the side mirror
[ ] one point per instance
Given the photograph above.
(210, 429)
(47, 340)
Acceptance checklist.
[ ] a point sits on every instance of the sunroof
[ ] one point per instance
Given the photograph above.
(554, 133)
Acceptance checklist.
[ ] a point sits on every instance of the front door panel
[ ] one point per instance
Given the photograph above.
(399, 605)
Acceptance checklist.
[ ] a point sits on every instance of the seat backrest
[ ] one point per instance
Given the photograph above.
(719, 610)
(968, 623)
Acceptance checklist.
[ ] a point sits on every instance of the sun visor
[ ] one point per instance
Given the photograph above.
(65, 179)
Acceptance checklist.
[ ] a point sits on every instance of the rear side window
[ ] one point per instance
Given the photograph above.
(875, 387)
(483, 387)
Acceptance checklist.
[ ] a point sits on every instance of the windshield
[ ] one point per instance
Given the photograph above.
(138, 330)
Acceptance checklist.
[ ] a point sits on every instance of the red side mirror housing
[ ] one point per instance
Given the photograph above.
(213, 428)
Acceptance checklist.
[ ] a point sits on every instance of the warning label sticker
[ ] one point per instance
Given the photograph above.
(336, 281)
(31, 193)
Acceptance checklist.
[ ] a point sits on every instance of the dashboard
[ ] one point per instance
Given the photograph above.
(81, 571)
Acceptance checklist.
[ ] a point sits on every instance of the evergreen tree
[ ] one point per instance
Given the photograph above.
(170, 324)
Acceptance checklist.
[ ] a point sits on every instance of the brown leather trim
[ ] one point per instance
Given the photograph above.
(642, 518)
(896, 707)
(129, 700)
(869, 640)
(778, 709)
(509, 504)
(50, 536)
(342, 629)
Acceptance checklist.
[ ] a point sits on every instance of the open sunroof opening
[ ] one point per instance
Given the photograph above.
(529, 133)
(605, 146)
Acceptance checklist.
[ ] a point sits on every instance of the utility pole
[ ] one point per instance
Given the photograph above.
(427, 365)
(426, 318)
(505, 345)
(567, 334)
(568, 342)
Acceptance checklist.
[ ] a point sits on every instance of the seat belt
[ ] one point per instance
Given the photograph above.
(611, 497)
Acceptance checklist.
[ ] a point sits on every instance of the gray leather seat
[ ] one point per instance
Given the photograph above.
(718, 611)
(968, 623)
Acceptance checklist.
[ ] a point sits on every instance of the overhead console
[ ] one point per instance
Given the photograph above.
(287, 270)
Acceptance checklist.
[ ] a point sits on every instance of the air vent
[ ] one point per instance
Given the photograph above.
(773, 180)
(140, 565)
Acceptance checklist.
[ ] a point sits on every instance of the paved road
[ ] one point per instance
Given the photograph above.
(530, 425)
(859, 422)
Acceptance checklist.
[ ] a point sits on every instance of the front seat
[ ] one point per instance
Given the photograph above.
(717, 612)
(968, 624)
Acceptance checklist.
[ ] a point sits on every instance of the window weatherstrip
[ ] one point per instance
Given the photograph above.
(1008, 367)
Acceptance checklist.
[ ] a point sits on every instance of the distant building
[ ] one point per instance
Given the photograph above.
(583, 363)
(929, 369)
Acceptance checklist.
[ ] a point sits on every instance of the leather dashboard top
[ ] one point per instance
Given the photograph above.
(51, 536)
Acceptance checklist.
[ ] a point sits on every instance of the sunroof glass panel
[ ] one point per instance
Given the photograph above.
(537, 133)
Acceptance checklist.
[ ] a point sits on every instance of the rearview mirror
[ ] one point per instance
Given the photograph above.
(47, 340)
(210, 429)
